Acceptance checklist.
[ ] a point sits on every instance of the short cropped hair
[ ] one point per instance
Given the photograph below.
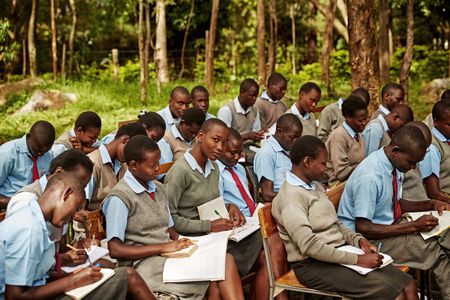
(88, 119)
(199, 89)
(276, 78)
(211, 123)
(131, 129)
(234, 135)
(288, 121)
(152, 120)
(307, 87)
(389, 87)
(445, 95)
(353, 104)
(70, 160)
(137, 147)
(405, 111)
(179, 90)
(409, 138)
(307, 145)
(44, 132)
(439, 110)
(362, 93)
(247, 84)
(193, 116)
(63, 180)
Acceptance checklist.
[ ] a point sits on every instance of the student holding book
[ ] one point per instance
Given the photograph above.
(137, 213)
(194, 180)
(27, 253)
(311, 232)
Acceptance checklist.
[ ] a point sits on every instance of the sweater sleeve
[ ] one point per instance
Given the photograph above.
(294, 219)
(350, 237)
(339, 158)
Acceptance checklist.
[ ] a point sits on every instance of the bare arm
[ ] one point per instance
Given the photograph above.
(267, 192)
(433, 191)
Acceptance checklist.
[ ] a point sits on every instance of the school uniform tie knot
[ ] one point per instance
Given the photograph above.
(151, 195)
(356, 137)
(242, 191)
(35, 171)
(395, 201)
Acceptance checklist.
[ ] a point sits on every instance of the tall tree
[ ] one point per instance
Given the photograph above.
(31, 39)
(363, 49)
(209, 65)
(385, 15)
(54, 45)
(160, 55)
(260, 42)
(292, 16)
(273, 36)
(407, 58)
(73, 28)
(311, 38)
(328, 44)
(143, 54)
(186, 32)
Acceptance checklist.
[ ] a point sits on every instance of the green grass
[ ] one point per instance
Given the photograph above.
(119, 101)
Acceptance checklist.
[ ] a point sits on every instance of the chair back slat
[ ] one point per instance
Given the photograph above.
(121, 123)
(266, 221)
(335, 193)
(164, 168)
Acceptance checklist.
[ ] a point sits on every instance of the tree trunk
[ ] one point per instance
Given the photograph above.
(363, 49)
(328, 44)
(385, 14)
(160, 55)
(292, 15)
(273, 37)
(54, 45)
(31, 39)
(73, 7)
(186, 32)
(142, 55)
(260, 42)
(407, 58)
(24, 59)
(342, 7)
(340, 28)
(209, 65)
(311, 39)
(63, 61)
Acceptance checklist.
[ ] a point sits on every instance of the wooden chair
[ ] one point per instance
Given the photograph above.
(253, 185)
(164, 168)
(121, 123)
(95, 225)
(287, 281)
(335, 193)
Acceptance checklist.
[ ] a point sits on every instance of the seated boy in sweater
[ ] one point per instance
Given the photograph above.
(179, 101)
(200, 99)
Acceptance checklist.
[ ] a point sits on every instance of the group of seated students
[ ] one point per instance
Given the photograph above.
(45, 183)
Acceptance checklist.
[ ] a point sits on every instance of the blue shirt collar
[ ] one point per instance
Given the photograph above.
(438, 134)
(239, 108)
(106, 159)
(136, 186)
(296, 112)
(177, 134)
(350, 131)
(168, 116)
(266, 96)
(383, 122)
(385, 163)
(383, 109)
(22, 146)
(293, 179)
(275, 145)
(195, 166)
(43, 182)
(340, 102)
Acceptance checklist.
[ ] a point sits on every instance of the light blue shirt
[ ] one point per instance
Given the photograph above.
(168, 118)
(373, 134)
(350, 131)
(340, 102)
(116, 212)
(26, 251)
(295, 111)
(383, 110)
(225, 114)
(16, 166)
(108, 138)
(266, 97)
(209, 116)
(368, 192)
(431, 163)
(229, 190)
(294, 180)
(106, 159)
(272, 163)
(195, 166)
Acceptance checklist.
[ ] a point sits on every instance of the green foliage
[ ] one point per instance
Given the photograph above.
(7, 50)
(14, 102)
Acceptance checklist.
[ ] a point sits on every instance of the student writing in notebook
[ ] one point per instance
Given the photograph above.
(137, 213)
(311, 232)
(27, 253)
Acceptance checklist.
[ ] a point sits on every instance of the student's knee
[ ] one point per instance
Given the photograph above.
(132, 275)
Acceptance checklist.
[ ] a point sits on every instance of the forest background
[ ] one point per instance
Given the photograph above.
(121, 56)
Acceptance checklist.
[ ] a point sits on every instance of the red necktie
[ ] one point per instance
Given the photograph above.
(247, 199)
(58, 265)
(35, 168)
(152, 195)
(395, 202)
(448, 142)
(356, 137)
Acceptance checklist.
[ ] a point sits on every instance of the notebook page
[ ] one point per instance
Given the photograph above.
(361, 270)
(81, 292)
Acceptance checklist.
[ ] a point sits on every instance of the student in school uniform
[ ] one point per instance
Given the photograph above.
(82, 137)
(345, 145)
(136, 213)
(200, 99)
(379, 131)
(372, 204)
(24, 160)
(429, 119)
(27, 253)
(391, 95)
(311, 232)
(272, 160)
(153, 123)
(270, 105)
(180, 137)
(435, 167)
(108, 165)
(179, 101)
(308, 97)
(413, 188)
(331, 116)
(194, 180)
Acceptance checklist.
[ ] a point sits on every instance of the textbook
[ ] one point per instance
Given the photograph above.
(216, 209)
(95, 253)
(82, 291)
(207, 263)
(186, 252)
(444, 222)
(361, 270)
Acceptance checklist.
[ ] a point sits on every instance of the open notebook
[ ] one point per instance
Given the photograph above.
(361, 270)
(81, 292)
(444, 222)
(95, 253)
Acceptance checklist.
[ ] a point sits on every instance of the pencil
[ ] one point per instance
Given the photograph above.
(72, 247)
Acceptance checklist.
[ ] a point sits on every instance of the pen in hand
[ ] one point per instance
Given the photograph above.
(85, 252)
(217, 213)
